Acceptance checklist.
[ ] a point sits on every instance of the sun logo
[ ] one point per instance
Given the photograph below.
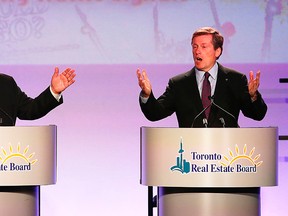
(238, 156)
(8, 154)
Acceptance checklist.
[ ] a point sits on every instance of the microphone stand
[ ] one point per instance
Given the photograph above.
(225, 111)
(201, 114)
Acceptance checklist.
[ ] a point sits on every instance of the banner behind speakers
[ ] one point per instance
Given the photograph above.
(138, 31)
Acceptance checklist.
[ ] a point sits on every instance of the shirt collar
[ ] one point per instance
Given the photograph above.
(213, 72)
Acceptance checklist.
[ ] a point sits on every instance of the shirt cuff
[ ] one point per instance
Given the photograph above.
(143, 99)
(254, 98)
(56, 96)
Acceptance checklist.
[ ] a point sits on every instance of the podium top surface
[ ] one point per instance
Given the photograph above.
(221, 128)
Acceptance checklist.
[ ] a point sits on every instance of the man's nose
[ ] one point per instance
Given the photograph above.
(197, 51)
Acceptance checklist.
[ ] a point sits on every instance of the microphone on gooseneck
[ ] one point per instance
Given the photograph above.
(205, 123)
(222, 121)
(225, 111)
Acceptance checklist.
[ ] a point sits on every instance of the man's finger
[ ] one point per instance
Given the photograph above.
(258, 75)
(139, 75)
(56, 71)
(251, 74)
(145, 75)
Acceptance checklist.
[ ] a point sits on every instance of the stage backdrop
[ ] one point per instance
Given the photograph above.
(106, 41)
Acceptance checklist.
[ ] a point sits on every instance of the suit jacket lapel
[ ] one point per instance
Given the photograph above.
(194, 91)
(221, 83)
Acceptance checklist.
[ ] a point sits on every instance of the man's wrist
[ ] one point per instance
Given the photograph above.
(143, 95)
(55, 95)
(253, 97)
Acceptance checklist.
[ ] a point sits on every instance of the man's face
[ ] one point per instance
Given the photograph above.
(204, 54)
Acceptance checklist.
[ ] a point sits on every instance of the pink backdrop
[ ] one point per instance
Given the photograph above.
(99, 122)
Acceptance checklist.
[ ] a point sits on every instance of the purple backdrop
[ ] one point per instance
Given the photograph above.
(106, 41)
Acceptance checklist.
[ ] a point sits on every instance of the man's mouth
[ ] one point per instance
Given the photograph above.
(198, 59)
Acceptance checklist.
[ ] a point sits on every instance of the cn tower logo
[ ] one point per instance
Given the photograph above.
(241, 160)
(182, 165)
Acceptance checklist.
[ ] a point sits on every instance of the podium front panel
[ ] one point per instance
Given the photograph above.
(209, 157)
(27, 155)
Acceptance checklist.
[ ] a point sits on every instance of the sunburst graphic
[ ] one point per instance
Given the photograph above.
(237, 155)
(10, 153)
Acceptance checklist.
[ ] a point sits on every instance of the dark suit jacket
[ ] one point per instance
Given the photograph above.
(182, 97)
(14, 103)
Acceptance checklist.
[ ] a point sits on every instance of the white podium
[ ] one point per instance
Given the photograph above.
(27, 161)
(209, 171)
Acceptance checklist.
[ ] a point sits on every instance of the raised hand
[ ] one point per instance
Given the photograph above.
(144, 83)
(60, 82)
(254, 84)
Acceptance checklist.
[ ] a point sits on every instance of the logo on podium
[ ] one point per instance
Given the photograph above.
(181, 164)
(234, 157)
(16, 159)
(240, 161)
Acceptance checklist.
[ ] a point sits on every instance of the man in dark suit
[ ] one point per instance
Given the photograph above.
(229, 93)
(230, 90)
(14, 103)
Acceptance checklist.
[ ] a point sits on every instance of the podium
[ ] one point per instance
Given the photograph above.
(208, 171)
(27, 161)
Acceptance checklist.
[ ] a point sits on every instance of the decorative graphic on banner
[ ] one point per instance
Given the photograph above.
(16, 159)
(240, 162)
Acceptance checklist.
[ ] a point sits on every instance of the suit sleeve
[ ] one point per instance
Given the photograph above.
(255, 110)
(157, 109)
(34, 108)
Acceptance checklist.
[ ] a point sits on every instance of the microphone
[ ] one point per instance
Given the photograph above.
(205, 122)
(225, 111)
(222, 121)
(201, 114)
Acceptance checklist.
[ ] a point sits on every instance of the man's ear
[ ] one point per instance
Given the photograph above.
(218, 52)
